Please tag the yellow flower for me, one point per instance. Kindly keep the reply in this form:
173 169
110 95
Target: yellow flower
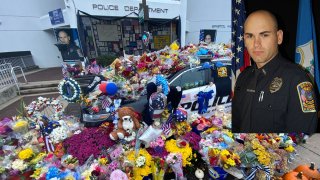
86 174
38 158
69 178
20 125
228 133
213 152
171 147
289 148
210 130
25 154
103 161
140 172
230 162
36 173
257 152
182 128
262 155
174 46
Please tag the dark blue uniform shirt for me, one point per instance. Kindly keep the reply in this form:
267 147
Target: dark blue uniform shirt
278 97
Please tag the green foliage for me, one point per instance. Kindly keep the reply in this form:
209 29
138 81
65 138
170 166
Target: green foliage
105 60
21 110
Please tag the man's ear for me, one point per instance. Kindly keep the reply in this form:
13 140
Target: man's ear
280 36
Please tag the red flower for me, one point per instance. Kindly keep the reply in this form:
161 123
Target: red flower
183 143
161 162
213 161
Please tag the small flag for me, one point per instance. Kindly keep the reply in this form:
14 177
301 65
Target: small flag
49 146
65 72
166 128
105 102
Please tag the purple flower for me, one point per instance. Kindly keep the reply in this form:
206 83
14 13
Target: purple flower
193 138
86 143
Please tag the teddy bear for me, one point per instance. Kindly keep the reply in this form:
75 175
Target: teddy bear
127 124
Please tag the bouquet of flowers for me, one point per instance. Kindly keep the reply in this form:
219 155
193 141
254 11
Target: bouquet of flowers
70 162
142 163
229 158
87 142
181 147
200 125
193 138
158 167
5 126
174 160
158 144
181 128
260 151
60 133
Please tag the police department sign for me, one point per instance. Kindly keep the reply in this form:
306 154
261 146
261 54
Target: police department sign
125 7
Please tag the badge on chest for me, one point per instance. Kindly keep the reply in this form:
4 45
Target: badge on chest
275 85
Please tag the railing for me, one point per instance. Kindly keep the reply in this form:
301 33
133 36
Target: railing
24 62
8 76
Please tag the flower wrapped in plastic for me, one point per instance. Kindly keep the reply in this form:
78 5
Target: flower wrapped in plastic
91 169
5 126
174 160
20 126
118 175
200 125
181 128
142 163
19 165
59 133
174 146
70 162
158 167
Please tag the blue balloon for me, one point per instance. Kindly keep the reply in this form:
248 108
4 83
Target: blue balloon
111 88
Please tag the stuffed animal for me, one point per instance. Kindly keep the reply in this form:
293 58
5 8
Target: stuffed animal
127 124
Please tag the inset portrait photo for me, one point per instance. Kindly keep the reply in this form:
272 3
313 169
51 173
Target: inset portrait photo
69 44
208 35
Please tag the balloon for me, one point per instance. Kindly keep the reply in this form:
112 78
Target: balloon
102 87
111 88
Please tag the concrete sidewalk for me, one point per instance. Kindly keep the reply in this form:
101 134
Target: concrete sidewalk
308 152
47 74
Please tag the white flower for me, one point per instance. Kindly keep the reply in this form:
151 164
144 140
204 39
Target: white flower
141 160
19 164
59 134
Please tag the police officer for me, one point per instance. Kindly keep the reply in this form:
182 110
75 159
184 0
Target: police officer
274 95
72 51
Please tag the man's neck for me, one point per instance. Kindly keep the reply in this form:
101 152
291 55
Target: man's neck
260 65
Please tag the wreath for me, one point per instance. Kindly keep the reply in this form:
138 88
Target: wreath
69 89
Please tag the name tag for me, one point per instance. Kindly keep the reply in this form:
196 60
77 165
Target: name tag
251 90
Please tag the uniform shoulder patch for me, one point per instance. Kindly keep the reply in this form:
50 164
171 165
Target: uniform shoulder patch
306 97
222 72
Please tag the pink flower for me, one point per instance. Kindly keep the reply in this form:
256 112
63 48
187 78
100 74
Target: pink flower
200 127
161 143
